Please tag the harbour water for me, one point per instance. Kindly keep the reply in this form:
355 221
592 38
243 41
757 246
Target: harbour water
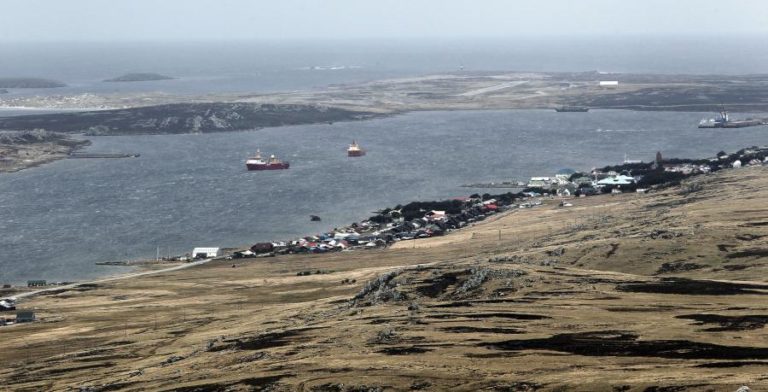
193 190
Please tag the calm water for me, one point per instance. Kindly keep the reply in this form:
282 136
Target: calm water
193 190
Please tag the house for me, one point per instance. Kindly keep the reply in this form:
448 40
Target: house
540 182
36 283
205 253
25 317
566 190
435 215
7 305
263 247
617 180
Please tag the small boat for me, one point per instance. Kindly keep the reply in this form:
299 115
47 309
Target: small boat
314 218
354 150
256 162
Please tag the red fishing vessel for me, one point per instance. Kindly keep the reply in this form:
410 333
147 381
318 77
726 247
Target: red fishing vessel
256 162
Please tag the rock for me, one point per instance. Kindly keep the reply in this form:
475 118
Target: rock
171 359
420 384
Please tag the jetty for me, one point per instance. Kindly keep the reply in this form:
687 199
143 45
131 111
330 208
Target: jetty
83 155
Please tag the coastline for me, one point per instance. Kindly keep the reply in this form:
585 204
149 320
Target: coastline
18 155
475 215
458 315
112 278
161 113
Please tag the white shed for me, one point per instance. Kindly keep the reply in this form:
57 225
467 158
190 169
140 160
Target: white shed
611 84
205 253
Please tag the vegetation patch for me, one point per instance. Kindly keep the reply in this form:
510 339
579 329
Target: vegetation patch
627 344
692 287
468 329
728 323
515 316
406 350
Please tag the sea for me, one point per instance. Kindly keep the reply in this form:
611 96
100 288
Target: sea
60 219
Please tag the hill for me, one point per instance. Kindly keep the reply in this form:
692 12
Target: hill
182 118
633 292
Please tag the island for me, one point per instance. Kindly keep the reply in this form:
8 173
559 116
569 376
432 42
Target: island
30 83
139 77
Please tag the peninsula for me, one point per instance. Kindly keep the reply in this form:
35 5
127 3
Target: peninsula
23 149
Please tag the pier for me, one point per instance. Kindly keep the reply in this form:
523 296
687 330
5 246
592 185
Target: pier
101 155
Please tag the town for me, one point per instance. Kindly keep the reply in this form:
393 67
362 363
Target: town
434 218
424 219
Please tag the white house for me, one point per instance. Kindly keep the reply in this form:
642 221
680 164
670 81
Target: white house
617 180
205 253
609 84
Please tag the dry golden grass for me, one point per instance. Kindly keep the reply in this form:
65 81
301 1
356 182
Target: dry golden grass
573 301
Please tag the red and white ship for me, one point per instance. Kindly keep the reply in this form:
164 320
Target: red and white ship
256 162
354 150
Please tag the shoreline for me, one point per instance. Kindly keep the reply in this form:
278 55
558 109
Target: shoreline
505 208
446 307
112 278
371 116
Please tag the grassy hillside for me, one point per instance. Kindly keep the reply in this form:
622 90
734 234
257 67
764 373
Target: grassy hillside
634 292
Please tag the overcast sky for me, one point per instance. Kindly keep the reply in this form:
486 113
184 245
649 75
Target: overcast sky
190 20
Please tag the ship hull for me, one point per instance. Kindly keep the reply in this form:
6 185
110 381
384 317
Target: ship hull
355 153
732 124
278 166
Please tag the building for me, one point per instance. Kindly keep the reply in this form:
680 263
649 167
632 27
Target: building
7 305
205 253
540 182
36 283
617 181
25 317
609 84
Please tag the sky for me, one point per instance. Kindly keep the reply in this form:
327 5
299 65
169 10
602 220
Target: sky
194 20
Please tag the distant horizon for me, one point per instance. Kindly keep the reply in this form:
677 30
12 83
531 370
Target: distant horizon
415 40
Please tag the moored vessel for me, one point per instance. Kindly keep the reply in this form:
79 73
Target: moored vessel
256 162
354 150
722 120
